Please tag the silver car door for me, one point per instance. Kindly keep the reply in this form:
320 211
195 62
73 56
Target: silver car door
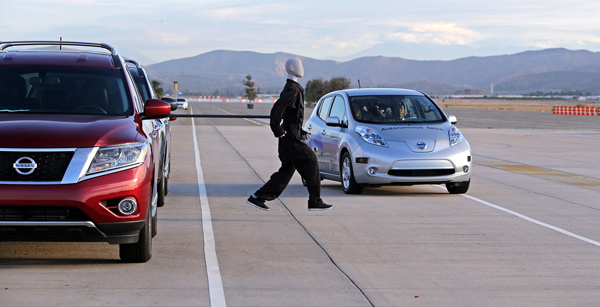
334 134
317 128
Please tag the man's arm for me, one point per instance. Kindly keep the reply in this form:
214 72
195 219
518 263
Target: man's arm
286 97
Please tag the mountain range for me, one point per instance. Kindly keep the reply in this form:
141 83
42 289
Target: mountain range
221 72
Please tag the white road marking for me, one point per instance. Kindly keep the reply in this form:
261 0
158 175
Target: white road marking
529 219
215 283
252 121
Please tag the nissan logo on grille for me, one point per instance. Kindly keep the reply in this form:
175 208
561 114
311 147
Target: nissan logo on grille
25 165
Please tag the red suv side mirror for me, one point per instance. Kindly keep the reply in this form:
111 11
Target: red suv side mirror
154 108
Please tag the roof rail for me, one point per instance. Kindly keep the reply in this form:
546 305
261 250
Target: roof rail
135 63
5 45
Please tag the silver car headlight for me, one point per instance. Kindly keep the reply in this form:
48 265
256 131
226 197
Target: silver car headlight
110 158
370 136
455 136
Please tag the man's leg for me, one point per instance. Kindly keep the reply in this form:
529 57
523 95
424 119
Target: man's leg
306 163
278 181
274 187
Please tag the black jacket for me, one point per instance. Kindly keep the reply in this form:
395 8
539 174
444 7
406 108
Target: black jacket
289 108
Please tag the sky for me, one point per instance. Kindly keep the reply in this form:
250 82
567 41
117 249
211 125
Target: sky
154 31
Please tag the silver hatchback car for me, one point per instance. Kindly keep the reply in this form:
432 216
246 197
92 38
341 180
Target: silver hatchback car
374 137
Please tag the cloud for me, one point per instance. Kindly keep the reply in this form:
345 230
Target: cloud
167 29
352 42
243 11
439 33
585 43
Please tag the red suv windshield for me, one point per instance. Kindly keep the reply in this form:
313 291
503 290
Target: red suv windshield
63 90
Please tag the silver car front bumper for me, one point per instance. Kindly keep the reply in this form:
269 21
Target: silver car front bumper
398 164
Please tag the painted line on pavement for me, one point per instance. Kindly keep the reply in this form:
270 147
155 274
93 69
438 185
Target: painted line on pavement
529 219
252 121
215 283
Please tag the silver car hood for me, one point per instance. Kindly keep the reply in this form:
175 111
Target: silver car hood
418 137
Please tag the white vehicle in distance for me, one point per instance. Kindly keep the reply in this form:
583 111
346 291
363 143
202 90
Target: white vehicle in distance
182 103
375 137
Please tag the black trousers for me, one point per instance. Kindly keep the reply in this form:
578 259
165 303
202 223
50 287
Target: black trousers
294 156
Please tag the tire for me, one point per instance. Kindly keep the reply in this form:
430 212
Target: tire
155 224
163 188
142 250
349 185
458 187
161 192
166 178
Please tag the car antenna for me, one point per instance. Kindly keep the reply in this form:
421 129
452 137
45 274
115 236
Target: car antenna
359 83
60 45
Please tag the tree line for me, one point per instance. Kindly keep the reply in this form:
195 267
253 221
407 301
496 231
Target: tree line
560 93
315 88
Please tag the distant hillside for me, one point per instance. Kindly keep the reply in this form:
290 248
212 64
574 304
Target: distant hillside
222 72
555 81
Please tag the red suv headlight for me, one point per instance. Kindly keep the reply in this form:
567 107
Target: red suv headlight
111 158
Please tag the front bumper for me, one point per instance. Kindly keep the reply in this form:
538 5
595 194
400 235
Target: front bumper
82 231
398 164
85 211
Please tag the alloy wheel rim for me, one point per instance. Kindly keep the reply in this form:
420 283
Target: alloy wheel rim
346 173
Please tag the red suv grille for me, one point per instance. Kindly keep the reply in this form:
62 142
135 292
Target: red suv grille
31 214
49 166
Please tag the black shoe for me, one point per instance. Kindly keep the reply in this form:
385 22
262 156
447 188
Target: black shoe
319 207
257 202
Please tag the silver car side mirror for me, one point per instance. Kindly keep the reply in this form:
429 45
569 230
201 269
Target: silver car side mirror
452 119
333 121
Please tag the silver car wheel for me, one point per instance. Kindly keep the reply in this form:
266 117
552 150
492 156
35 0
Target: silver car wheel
346 173
349 184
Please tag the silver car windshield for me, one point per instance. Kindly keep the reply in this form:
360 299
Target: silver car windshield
395 109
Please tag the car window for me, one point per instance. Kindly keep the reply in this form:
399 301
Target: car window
63 90
395 109
141 84
339 109
324 107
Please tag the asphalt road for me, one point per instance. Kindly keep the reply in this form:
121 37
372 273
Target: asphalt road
526 234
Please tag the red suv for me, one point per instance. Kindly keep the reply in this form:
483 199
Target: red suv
79 152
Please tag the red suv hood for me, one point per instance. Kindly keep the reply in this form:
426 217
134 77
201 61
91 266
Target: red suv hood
65 131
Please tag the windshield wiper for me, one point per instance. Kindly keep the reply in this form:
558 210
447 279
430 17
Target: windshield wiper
412 120
14 111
